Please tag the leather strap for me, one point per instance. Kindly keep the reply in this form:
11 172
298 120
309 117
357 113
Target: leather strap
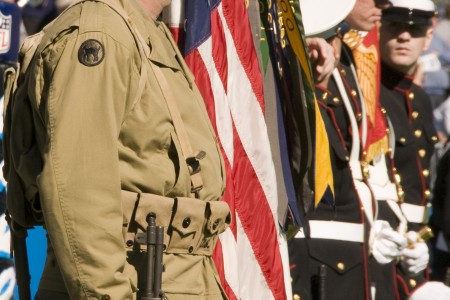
191 158
186 148
364 193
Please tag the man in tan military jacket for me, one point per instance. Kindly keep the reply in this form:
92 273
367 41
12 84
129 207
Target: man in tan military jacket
106 85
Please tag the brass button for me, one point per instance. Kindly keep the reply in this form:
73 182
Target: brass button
343 72
324 96
427 193
365 169
412 283
418 133
401 194
341 266
359 116
422 153
383 110
434 138
415 114
296 297
347 158
398 178
425 172
411 96
387 130
402 139
354 93
186 222
336 100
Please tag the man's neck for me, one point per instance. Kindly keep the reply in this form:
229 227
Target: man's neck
152 8
406 70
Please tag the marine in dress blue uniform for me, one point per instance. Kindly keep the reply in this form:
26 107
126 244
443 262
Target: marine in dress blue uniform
331 261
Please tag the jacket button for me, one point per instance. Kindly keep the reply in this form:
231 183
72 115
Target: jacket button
296 297
191 249
418 133
341 266
412 283
106 297
129 243
422 153
186 222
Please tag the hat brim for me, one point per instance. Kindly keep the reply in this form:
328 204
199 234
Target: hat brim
408 16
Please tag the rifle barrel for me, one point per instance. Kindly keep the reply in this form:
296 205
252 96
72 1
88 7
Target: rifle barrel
21 266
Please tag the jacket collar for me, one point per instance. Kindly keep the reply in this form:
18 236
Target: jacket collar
395 79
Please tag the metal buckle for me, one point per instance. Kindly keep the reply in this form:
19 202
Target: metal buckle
193 162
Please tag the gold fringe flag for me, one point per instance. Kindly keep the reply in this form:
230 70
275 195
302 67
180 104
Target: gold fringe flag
323 176
366 54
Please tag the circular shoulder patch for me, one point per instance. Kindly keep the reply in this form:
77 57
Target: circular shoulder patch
91 53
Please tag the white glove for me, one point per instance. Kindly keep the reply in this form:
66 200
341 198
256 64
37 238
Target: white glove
386 244
431 290
415 258
7 283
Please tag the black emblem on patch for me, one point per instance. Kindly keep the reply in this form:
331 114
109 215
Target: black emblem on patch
91 53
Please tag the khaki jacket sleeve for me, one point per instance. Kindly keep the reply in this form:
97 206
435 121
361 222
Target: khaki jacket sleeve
82 108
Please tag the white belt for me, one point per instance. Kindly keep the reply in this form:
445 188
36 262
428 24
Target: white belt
355 165
386 192
365 196
415 213
381 186
331 230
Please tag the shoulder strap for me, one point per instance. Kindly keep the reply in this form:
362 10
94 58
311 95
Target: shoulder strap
355 163
192 159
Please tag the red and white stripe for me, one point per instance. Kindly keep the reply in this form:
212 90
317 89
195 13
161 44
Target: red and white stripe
252 254
173 17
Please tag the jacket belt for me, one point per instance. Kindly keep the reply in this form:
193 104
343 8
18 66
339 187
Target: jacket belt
415 213
332 230
191 226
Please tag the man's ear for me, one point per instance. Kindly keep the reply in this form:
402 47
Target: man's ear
428 37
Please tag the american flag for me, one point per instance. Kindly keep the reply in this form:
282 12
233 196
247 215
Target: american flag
251 256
